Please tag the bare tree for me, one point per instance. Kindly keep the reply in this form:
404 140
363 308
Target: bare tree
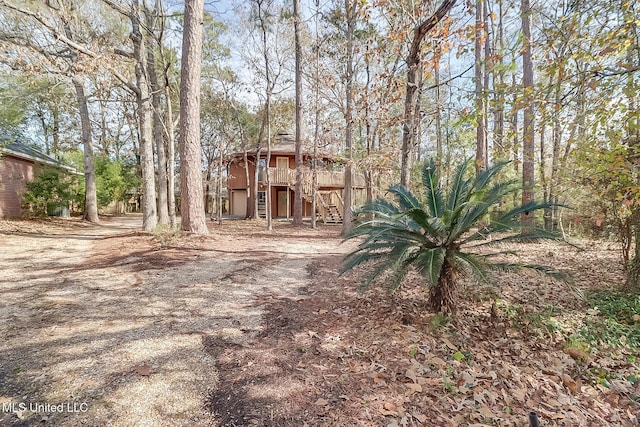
479 93
350 12
151 16
528 132
414 71
143 98
191 192
90 194
297 202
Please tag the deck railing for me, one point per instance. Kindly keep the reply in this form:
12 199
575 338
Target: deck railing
282 176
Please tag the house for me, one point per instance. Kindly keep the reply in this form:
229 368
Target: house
282 173
18 165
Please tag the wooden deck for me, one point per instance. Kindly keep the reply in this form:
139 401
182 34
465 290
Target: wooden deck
326 179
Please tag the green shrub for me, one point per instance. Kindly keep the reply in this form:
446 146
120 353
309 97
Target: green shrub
51 188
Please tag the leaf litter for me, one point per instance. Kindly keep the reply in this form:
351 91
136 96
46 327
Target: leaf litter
304 347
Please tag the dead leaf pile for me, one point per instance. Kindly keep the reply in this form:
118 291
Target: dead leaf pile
378 359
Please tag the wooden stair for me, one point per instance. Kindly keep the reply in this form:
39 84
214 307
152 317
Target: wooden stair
334 216
330 213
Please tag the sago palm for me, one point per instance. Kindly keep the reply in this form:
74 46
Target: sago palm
441 237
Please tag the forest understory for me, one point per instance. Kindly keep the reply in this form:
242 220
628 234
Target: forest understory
249 328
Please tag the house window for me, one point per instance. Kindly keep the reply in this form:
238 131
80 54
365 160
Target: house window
282 162
261 165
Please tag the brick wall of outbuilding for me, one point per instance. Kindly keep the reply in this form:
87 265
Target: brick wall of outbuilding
14 174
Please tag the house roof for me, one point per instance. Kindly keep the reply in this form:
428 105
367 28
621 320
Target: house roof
284 143
26 152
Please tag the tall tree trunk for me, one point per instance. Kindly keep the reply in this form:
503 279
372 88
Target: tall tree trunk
350 11
297 202
171 156
245 157
316 129
149 213
544 181
56 129
90 196
487 65
555 155
256 183
45 130
413 73
498 98
158 131
413 70
191 197
479 91
266 123
436 72
633 139
528 133
368 173
268 162
219 190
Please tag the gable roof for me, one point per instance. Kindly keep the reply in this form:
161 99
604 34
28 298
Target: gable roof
284 144
25 152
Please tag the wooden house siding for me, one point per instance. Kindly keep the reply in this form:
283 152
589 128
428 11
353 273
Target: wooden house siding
14 175
330 185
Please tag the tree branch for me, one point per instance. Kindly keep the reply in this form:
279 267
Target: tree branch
421 31
446 82
68 41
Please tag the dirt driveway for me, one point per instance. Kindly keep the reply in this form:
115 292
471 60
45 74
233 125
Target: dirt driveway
104 325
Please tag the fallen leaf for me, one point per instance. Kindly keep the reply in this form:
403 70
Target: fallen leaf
390 406
519 394
420 417
321 402
449 344
435 360
411 375
458 356
413 388
570 384
486 412
143 370
380 379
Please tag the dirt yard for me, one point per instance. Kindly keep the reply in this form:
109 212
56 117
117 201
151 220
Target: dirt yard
120 327
105 325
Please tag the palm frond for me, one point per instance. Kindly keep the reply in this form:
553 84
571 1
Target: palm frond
431 226
473 263
487 175
537 234
435 202
429 263
461 187
509 221
405 198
